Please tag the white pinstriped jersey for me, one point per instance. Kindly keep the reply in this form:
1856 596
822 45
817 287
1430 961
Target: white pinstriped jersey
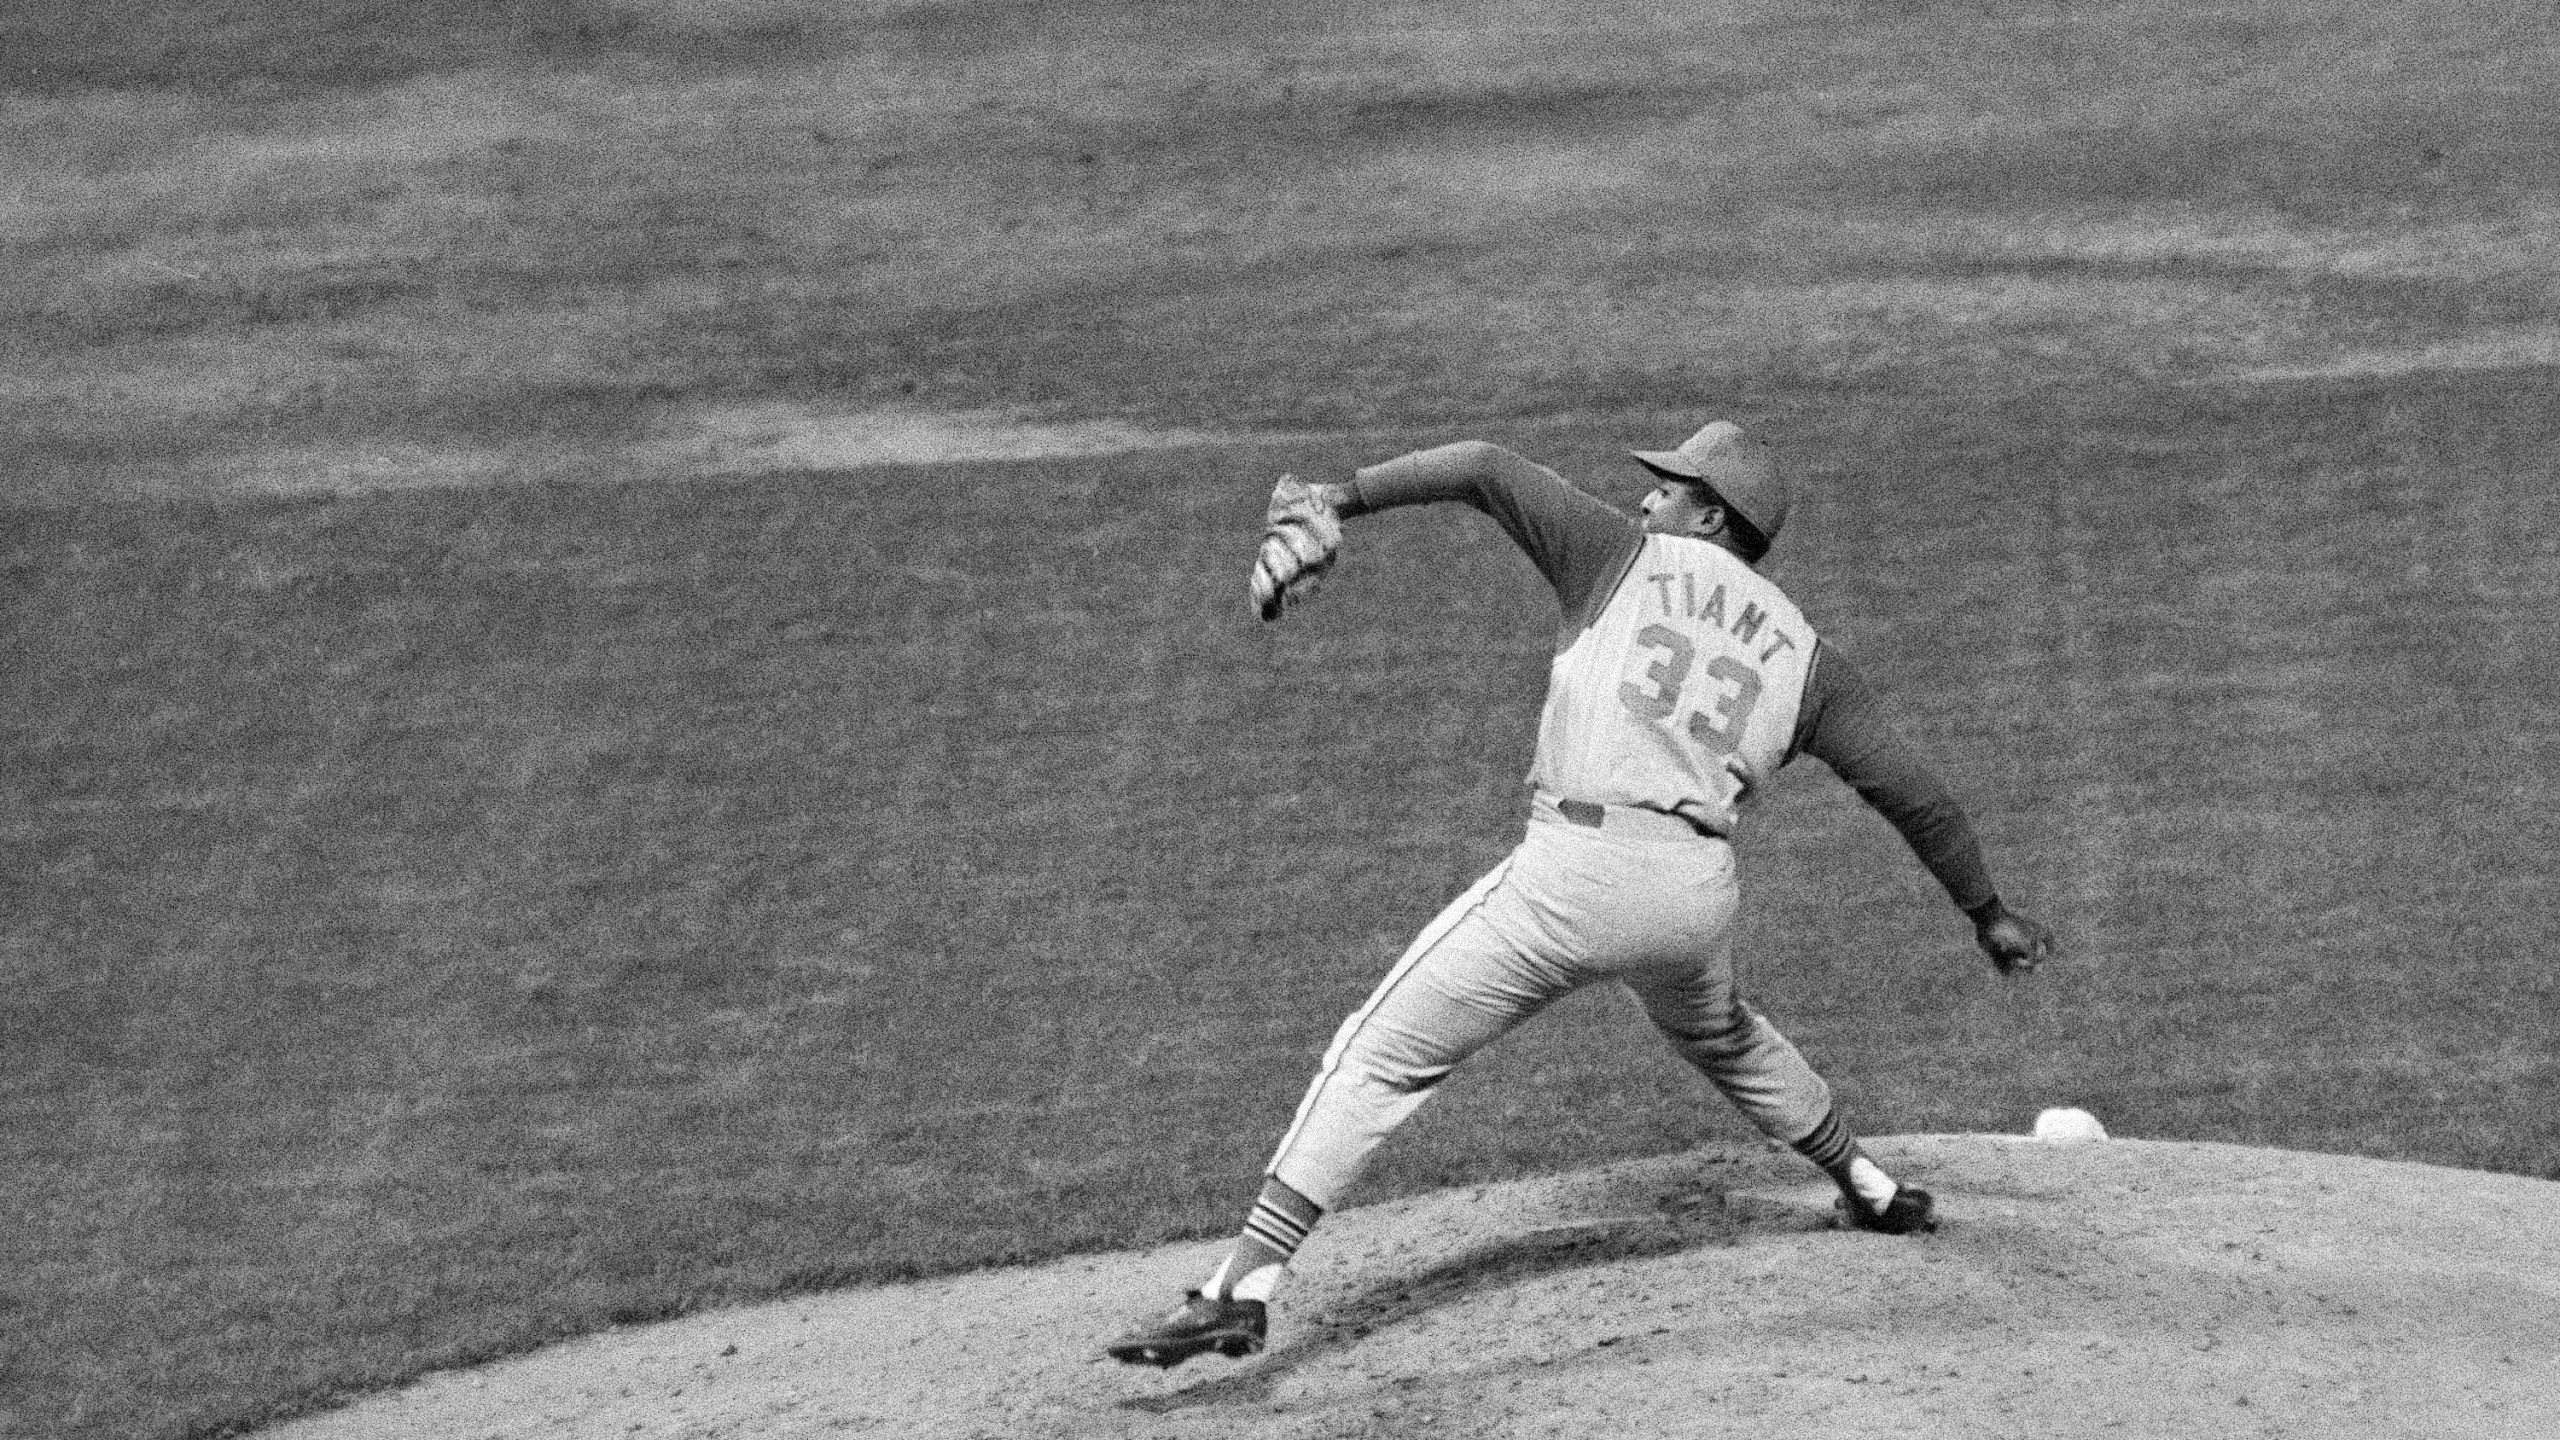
1682 692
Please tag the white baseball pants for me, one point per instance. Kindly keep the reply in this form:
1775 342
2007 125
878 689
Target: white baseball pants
1640 899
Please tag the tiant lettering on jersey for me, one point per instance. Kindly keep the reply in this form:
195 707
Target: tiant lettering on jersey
1681 695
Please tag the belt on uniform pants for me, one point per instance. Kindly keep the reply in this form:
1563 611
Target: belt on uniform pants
1630 819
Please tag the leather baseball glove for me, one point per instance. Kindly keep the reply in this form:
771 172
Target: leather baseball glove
1301 534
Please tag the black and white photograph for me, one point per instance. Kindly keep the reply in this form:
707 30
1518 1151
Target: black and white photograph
1279 720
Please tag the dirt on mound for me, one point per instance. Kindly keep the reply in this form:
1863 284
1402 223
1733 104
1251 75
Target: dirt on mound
2104 1288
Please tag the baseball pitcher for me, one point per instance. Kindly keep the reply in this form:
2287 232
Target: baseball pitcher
1682 681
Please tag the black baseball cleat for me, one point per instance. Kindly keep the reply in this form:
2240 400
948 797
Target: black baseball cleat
1909 1210
1233 1328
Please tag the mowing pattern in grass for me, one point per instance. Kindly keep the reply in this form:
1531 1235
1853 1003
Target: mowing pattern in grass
435 923
446 922
1295 217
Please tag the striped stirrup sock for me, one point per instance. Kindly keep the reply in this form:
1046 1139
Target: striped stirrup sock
1832 1147
1273 1230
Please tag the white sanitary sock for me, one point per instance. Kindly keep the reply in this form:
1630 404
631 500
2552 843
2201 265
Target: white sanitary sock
1259 1283
1873 1185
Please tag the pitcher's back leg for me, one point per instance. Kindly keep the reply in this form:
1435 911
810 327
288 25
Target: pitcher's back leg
1734 1046
1775 1087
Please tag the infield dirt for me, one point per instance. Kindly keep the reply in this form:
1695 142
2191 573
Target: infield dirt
2109 1288
524 810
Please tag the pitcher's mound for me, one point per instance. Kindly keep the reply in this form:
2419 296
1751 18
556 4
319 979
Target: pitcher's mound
2106 1288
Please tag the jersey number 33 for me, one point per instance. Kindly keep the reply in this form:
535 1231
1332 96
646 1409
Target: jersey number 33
1732 689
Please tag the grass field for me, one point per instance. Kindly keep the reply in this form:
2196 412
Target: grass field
447 917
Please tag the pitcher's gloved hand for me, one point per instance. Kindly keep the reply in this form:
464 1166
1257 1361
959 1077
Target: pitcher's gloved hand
1301 535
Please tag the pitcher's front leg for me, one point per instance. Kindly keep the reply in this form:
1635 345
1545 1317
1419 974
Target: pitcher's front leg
1467 980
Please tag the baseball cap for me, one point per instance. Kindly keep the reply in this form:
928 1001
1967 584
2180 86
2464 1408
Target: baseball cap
1742 470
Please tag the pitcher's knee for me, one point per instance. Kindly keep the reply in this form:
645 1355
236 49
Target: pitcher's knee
1727 1038
1398 1065
1406 1081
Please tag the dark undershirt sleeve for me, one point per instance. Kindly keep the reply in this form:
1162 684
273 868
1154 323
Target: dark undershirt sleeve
1580 543
1845 724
